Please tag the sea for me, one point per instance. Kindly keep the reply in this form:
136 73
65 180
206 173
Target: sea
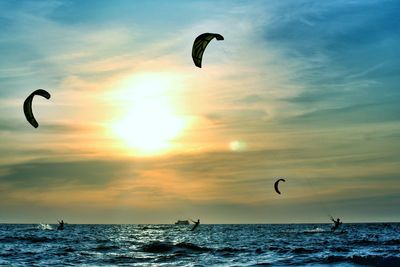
375 244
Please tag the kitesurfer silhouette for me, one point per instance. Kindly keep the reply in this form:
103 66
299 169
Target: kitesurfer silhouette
195 224
336 222
60 225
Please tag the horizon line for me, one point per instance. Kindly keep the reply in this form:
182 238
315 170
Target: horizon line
369 222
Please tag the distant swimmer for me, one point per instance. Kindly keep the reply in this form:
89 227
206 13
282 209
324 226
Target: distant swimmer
195 224
336 223
60 225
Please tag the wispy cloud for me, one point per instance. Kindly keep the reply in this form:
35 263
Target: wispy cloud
310 87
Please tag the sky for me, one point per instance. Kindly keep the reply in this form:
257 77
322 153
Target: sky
135 133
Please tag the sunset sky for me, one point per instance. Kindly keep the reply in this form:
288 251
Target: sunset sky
135 133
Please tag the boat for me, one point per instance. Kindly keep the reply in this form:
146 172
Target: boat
182 222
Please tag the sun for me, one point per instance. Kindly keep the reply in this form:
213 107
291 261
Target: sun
149 123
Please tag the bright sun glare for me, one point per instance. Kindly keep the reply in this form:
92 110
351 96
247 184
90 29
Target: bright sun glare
149 123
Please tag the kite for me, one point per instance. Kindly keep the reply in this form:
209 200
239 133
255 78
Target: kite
276 185
200 44
28 106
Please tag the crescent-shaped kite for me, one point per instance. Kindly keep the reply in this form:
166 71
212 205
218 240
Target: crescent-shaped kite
28 106
276 185
200 44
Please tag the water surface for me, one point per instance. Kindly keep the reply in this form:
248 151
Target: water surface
209 245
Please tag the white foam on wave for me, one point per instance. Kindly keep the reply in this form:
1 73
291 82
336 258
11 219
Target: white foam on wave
44 226
316 230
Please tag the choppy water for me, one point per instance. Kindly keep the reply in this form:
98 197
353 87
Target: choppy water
209 245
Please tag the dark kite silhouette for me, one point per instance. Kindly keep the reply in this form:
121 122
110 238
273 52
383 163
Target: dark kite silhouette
28 106
200 44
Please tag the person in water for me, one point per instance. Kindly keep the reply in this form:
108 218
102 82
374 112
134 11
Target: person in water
195 224
336 223
61 225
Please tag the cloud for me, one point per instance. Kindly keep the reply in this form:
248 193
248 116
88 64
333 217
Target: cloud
354 114
47 174
310 87
240 181
345 50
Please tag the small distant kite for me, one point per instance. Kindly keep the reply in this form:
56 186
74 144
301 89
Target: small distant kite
28 106
276 185
200 44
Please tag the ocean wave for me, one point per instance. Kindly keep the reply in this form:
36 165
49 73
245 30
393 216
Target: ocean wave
392 242
30 239
303 250
7 239
340 249
368 242
363 242
369 260
184 248
192 247
105 248
283 249
316 230
278 249
122 259
157 247
7 254
163 247
69 250
229 249
44 226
